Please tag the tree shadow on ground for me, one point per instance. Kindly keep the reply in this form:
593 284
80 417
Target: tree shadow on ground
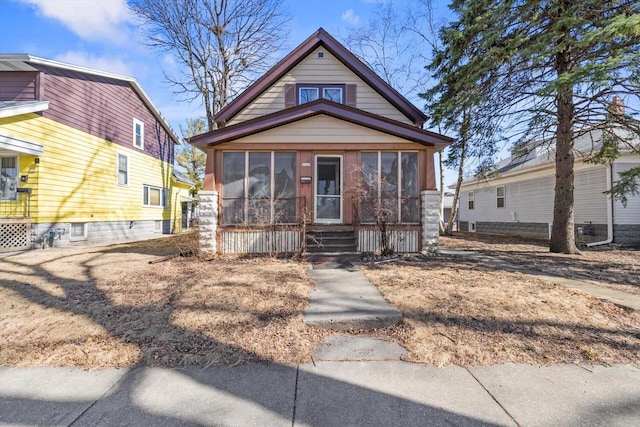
84 298
522 252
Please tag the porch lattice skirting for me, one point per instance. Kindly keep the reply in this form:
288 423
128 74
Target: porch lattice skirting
15 234
430 219
208 221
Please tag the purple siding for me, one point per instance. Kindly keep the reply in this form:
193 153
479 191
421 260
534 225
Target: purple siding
102 107
18 86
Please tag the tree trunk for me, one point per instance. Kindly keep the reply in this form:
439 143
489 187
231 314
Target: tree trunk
562 232
464 135
441 222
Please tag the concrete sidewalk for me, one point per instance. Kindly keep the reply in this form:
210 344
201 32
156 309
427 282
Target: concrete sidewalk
345 299
323 394
619 298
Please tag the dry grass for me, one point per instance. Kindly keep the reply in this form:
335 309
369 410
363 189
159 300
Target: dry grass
107 306
99 307
465 313
614 268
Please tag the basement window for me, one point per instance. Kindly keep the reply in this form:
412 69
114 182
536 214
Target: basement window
78 231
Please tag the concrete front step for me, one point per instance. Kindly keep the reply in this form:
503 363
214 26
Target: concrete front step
331 241
331 233
332 248
334 259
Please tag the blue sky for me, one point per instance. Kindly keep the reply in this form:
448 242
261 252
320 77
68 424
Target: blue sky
101 34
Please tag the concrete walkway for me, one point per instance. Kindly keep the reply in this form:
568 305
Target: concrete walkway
327 393
345 299
620 298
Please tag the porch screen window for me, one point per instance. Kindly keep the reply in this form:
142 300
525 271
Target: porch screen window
259 188
8 178
390 187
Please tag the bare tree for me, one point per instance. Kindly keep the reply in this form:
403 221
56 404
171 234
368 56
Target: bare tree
222 44
388 45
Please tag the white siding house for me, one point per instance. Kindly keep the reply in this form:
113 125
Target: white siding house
518 200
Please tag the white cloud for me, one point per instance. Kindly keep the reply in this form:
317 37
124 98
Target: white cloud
90 19
350 17
105 63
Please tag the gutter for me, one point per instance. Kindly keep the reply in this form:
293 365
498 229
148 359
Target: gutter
609 211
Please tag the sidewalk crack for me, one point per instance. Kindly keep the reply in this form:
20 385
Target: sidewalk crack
494 398
106 393
295 396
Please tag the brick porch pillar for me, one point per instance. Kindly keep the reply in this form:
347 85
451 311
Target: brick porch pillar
430 219
208 221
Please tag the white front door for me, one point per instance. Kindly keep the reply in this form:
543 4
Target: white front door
328 190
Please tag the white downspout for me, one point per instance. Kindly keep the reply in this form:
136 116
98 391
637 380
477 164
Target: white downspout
609 210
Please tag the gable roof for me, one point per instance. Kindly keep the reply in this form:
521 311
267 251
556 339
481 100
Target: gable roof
21 62
319 107
321 37
540 154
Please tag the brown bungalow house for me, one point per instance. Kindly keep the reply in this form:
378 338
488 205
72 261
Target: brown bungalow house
319 139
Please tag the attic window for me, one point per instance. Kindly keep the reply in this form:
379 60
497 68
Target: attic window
311 92
320 54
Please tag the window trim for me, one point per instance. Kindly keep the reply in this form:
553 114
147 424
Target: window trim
320 87
73 238
145 198
299 93
503 197
324 89
126 156
471 199
141 123
17 177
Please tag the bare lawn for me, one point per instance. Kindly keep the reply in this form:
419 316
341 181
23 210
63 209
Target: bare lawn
616 268
107 306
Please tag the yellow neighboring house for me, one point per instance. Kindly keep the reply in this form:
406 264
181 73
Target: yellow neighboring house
85 156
